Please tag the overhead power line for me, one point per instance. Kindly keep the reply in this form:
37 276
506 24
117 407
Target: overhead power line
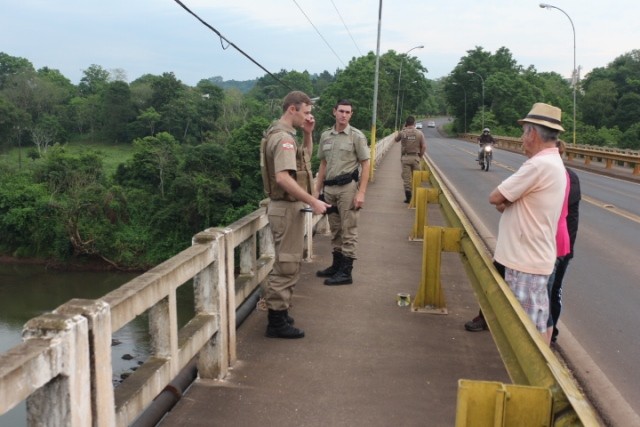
346 28
229 43
317 31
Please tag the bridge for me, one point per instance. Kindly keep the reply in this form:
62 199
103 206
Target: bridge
365 359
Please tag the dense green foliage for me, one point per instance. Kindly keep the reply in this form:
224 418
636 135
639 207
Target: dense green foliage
608 99
129 172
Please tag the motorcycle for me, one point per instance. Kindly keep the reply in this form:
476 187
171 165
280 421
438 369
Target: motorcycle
485 157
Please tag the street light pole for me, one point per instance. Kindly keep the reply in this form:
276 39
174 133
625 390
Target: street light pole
574 74
372 163
465 105
399 76
482 80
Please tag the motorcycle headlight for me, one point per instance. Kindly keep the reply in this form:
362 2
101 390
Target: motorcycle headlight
487 148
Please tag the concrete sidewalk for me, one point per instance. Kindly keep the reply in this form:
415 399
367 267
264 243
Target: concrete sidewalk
365 361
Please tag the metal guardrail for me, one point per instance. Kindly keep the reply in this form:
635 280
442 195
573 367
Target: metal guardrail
609 156
529 361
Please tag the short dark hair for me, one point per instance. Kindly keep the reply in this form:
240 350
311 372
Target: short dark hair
343 102
296 98
410 121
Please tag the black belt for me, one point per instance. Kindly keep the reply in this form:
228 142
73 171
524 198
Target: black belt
411 154
337 181
343 179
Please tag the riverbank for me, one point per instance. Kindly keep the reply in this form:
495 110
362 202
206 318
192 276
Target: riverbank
76 264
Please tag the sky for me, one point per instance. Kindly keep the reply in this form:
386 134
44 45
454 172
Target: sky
157 36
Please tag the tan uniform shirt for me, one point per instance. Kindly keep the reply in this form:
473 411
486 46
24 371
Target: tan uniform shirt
343 151
412 141
280 152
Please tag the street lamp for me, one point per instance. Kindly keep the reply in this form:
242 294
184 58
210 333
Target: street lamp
574 74
465 105
482 80
399 76
372 163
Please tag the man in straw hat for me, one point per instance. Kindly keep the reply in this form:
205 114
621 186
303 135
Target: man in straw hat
530 201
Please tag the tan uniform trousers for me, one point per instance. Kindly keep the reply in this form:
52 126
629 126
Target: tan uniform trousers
287 227
344 224
410 163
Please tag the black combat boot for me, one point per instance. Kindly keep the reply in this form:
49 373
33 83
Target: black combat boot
407 195
343 276
290 320
278 326
333 268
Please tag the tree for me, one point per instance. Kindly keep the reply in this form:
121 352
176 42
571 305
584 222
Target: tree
8 112
166 88
244 157
631 137
234 111
509 90
154 163
150 117
615 86
86 113
599 103
94 80
355 83
117 110
208 107
44 133
321 81
11 65
627 111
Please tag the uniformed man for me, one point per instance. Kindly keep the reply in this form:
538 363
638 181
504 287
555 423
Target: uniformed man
413 148
343 177
286 175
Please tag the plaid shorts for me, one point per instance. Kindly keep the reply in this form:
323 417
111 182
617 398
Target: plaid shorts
531 291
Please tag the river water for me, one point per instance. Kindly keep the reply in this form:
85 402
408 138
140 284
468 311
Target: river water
26 291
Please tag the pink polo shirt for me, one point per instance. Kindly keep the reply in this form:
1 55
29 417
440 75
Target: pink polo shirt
563 244
527 231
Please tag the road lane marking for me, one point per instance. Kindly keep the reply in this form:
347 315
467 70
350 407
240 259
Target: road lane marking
612 208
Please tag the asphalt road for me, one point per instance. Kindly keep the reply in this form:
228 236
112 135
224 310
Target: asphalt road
601 297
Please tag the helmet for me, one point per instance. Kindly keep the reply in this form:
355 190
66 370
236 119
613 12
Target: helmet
487 130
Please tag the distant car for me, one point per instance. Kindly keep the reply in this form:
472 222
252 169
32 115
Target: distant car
431 124
419 125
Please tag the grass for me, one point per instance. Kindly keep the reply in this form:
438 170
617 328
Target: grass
111 154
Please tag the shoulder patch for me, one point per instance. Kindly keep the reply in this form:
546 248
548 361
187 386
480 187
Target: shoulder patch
286 145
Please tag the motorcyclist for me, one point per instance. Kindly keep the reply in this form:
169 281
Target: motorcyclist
483 140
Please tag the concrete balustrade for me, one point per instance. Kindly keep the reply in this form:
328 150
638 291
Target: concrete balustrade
52 361
607 155
63 369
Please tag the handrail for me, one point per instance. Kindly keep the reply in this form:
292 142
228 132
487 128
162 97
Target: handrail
207 263
528 360
71 346
631 158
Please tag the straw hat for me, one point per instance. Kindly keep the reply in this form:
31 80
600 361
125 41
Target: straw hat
544 115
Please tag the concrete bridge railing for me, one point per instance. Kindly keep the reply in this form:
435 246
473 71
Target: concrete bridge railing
608 156
63 369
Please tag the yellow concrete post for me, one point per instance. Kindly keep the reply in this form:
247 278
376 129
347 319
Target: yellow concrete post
416 181
430 297
494 404
422 196
421 217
